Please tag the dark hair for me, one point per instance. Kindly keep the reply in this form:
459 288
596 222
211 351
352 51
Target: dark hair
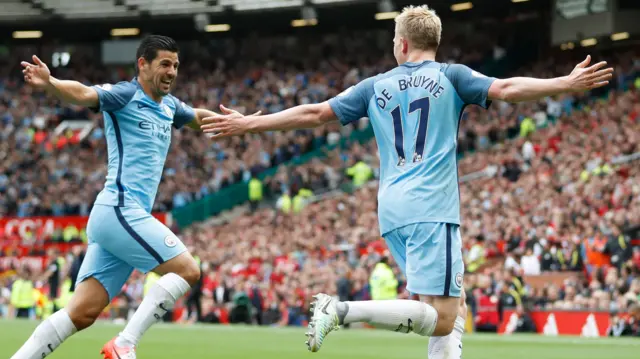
150 45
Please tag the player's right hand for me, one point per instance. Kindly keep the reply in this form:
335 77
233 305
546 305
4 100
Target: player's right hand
36 75
233 123
584 78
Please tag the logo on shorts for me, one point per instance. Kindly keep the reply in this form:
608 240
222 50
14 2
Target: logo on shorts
459 280
170 241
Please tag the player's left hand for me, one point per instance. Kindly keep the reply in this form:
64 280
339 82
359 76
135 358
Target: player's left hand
585 77
231 123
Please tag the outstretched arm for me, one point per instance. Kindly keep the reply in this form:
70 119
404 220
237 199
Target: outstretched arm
73 92
582 78
349 106
299 117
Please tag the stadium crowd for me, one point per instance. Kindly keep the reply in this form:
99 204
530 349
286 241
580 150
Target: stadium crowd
552 186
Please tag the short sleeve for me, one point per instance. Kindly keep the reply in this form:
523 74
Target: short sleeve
353 103
184 113
114 97
471 86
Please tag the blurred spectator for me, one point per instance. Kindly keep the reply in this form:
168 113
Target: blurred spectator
22 298
621 326
530 263
525 323
241 311
476 255
383 281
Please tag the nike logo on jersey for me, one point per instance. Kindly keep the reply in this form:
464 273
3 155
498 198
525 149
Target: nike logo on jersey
143 105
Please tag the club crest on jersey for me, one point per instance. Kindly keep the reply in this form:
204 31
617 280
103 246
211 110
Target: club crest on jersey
167 110
459 280
170 241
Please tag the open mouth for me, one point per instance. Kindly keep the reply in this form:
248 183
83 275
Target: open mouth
166 82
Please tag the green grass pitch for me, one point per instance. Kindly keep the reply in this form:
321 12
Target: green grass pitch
170 341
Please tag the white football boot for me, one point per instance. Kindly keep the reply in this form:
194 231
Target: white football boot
324 320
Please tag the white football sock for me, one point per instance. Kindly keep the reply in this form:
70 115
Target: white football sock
47 337
401 316
449 346
160 299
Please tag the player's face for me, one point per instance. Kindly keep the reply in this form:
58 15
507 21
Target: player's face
161 73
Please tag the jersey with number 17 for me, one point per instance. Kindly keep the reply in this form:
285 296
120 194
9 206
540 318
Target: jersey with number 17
415 110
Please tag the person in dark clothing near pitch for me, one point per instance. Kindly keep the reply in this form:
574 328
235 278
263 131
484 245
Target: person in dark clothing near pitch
54 274
78 257
625 327
525 323
619 247
194 300
344 286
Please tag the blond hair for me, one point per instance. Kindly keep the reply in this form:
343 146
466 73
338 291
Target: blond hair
420 26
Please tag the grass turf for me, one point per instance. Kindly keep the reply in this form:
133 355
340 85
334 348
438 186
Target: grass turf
170 341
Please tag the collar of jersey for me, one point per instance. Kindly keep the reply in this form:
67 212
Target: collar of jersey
135 82
416 64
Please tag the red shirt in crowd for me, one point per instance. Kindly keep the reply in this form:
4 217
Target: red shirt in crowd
487 313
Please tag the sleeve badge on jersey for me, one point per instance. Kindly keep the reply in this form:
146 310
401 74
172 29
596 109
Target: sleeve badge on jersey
106 87
346 92
475 73
170 241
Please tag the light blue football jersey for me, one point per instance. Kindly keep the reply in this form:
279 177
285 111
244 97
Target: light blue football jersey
138 133
415 110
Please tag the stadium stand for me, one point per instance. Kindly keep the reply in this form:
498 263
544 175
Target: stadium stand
17 10
550 196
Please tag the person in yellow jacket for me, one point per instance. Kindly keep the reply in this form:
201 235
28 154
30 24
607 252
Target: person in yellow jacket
527 127
301 199
383 282
44 306
284 203
70 233
360 172
476 256
255 192
22 298
65 294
